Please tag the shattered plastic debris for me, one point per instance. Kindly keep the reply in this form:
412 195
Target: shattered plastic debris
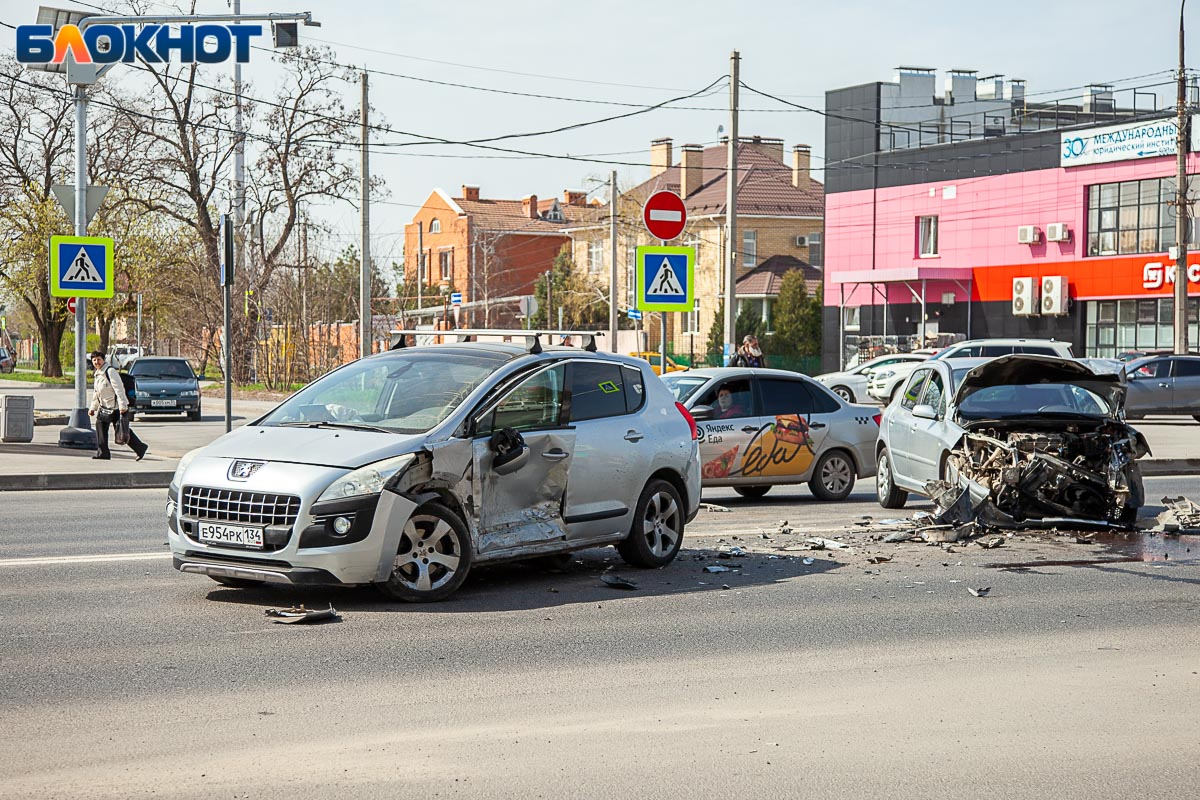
878 559
617 582
717 568
734 552
808 562
936 534
1181 515
714 507
991 542
827 544
300 614
980 592
900 536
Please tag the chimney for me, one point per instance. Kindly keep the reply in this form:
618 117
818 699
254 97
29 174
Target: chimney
529 206
660 156
772 147
574 198
691 169
801 155
470 192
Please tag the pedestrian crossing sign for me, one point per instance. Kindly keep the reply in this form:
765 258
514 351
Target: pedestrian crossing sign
666 278
81 266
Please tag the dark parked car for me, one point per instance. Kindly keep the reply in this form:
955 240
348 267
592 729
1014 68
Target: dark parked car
8 361
1163 384
165 385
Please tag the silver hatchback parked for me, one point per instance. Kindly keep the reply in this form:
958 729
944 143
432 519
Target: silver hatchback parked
405 468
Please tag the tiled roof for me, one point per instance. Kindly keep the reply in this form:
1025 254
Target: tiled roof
767 277
764 186
509 215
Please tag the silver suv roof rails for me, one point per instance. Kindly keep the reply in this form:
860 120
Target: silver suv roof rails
587 339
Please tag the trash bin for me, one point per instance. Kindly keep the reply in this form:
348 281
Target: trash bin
16 418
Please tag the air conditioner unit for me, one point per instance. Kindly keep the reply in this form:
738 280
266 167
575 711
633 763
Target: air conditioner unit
1025 297
1054 295
1058 232
1028 234
801 241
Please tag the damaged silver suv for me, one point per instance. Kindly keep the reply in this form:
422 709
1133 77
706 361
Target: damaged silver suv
405 468
1020 440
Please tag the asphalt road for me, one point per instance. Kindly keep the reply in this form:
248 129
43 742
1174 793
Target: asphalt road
1075 677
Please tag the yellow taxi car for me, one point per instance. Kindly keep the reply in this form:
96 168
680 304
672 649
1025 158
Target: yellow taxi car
655 360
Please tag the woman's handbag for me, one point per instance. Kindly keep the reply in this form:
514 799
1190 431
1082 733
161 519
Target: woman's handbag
121 428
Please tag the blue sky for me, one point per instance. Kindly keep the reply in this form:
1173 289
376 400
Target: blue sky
644 53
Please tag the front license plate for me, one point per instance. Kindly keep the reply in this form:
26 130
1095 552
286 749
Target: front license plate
236 535
163 403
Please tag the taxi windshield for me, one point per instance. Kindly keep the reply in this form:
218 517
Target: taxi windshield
410 391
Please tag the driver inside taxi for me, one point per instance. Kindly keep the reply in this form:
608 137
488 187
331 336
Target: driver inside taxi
726 408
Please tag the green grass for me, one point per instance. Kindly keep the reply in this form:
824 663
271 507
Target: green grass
36 377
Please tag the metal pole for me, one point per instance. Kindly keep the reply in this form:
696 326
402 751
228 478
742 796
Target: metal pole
662 334
842 326
923 283
420 266
239 157
139 323
1181 202
228 259
78 432
612 284
549 294
364 298
731 246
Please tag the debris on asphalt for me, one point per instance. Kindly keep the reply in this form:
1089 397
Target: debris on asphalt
1086 538
725 586
827 544
714 507
981 592
617 582
1181 516
937 534
808 562
878 559
300 614
900 536
717 568
991 542
733 552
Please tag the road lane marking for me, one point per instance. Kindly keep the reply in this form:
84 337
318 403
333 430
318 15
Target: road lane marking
36 561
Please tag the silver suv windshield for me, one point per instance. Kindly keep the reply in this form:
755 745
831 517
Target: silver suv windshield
409 391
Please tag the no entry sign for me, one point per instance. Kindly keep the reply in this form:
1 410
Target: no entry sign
71 305
664 215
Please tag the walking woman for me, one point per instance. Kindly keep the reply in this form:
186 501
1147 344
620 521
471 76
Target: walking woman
109 403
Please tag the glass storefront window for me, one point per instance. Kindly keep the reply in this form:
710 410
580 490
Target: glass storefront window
1147 310
1137 216
1108 311
1125 337
1126 311
1117 326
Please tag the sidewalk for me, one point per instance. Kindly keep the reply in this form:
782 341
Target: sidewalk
42 464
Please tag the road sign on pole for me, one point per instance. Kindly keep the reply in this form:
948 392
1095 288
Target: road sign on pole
664 215
666 278
81 266
456 298
633 313
71 305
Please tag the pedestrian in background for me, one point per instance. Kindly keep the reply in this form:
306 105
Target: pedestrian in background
109 404
749 354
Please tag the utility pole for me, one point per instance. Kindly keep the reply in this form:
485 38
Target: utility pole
1181 202
731 244
79 415
549 293
612 285
239 167
139 323
420 267
364 295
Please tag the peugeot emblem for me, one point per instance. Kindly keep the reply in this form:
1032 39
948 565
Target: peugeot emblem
242 470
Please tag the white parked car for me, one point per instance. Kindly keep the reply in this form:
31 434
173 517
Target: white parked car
123 355
851 385
1031 439
885 384
405 468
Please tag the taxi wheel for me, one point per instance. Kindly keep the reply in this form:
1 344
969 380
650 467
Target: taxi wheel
434 556
657 531
237 583
752 492
885 485
833 476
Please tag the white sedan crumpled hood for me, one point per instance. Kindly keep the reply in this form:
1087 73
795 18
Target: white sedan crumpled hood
328 447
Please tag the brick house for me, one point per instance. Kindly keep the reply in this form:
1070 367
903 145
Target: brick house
490 250
780 213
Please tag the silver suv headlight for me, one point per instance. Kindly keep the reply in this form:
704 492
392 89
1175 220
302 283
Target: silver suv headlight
366 480
887 373
183 465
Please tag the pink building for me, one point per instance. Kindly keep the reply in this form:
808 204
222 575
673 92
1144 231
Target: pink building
1056 233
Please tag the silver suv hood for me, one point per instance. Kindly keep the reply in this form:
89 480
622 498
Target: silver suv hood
326 447
1020 369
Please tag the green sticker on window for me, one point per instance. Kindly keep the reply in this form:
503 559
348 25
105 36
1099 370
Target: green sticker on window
608 387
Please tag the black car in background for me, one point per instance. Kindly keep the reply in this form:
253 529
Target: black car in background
164 385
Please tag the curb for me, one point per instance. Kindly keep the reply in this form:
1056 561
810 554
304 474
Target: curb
86 481
1155 467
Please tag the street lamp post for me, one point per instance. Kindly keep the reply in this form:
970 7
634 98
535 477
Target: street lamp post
1181 202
